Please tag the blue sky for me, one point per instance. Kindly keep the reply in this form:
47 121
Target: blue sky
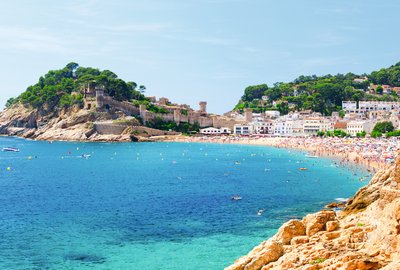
191 50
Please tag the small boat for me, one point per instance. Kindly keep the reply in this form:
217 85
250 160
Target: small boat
237 162
236 198
310 156
260 212
10 149
303 169
86 156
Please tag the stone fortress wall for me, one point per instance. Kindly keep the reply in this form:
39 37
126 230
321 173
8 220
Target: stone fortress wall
95 99
109 128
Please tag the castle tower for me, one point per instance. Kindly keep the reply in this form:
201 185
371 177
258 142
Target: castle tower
203 106
177 116
248 114
142 112
99 98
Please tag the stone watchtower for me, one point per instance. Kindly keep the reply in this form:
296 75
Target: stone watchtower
248 115
203 106
99 96
93 96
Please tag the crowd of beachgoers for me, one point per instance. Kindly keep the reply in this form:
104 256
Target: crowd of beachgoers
374 154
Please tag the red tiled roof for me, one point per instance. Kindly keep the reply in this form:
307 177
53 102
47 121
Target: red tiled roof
340 125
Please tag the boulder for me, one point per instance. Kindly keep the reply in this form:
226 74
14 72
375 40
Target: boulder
271 252
335 205
266 252
317 222
332 225
289 230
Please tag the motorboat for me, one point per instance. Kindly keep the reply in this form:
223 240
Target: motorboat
303 169
260 212
10 149
310 156
236 198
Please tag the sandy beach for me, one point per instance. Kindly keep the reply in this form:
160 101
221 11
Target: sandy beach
373 154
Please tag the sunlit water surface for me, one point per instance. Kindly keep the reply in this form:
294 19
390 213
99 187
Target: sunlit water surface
152 205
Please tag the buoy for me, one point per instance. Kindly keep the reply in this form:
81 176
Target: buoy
8 168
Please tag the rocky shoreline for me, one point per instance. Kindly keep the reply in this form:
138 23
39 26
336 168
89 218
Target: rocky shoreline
76 124
365 235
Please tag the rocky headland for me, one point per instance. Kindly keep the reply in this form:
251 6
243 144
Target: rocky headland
75 124
365 235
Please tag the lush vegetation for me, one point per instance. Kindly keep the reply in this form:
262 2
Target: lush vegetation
381 128
322 94
384 127
149 106
63 87
395 133
388 76
183 127
335 133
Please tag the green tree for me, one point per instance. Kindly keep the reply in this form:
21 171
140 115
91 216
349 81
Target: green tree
10 102
361 134
376 134
283 108
254 91
384 127
379 89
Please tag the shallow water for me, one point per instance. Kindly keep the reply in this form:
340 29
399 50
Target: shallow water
152 205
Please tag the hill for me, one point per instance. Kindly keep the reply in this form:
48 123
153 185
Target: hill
323 94
64 88
87 104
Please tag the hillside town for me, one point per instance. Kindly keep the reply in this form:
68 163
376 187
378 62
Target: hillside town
355 118
358 117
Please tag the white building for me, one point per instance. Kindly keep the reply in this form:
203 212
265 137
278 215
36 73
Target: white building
367 106
225 130
272 114
283 128
215 131
243 129
314 124
354 127
264 128
360 80
297 127
349 106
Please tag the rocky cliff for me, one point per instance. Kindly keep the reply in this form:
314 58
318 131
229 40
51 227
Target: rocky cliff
73 124
366 235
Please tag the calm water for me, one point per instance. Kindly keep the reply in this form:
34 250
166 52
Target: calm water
152 205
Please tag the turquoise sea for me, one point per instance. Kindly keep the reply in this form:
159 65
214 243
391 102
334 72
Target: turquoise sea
152 205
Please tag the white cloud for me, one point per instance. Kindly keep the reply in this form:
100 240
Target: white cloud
33 40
